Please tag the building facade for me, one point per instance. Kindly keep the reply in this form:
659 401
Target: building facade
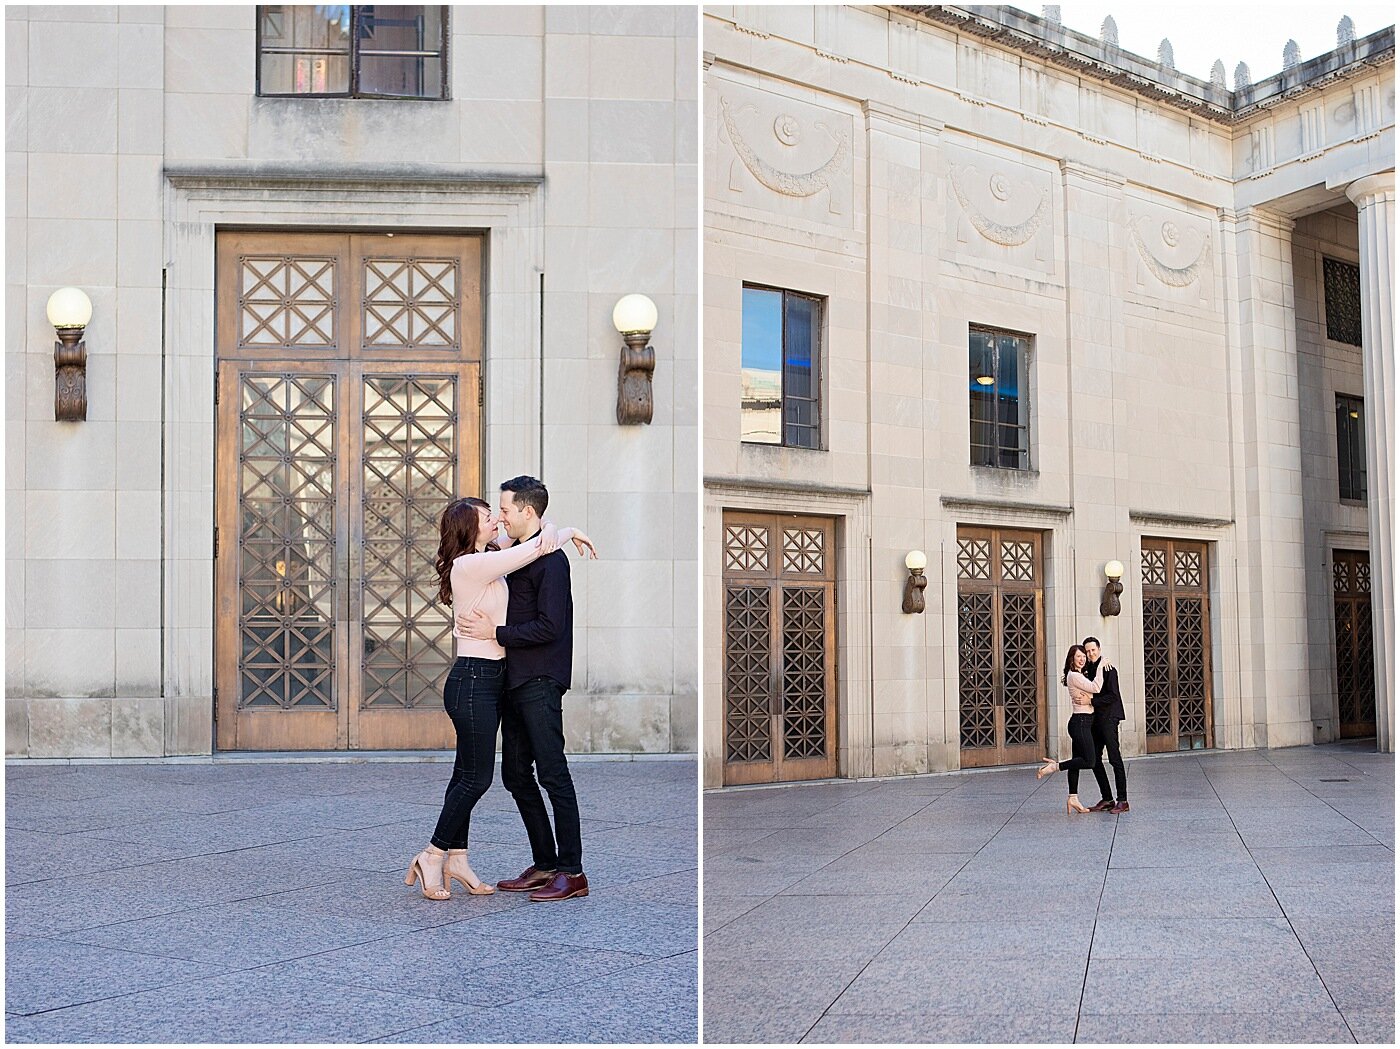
344 264
995 301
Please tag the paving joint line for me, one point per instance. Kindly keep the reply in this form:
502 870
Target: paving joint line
1093 932
910 922
1279 903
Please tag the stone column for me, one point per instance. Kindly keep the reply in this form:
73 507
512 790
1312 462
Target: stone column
1374 197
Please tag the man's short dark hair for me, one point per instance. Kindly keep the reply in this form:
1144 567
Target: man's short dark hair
528 490
1092 641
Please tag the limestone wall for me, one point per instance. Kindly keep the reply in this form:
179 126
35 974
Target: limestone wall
109 522
983 186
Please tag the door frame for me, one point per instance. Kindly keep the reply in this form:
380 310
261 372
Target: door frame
997 587
349 365
1171 743
780 768
1354 598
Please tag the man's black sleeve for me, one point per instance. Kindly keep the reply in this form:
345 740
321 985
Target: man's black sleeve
552 605
1108 695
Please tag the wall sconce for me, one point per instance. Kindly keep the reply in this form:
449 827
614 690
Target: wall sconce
69 311
916 562
1109 605
634 317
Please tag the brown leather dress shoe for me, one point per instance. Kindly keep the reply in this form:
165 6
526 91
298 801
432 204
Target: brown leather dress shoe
531 878
561 887
1120 808
1102 806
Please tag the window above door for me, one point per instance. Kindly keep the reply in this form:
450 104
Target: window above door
360 51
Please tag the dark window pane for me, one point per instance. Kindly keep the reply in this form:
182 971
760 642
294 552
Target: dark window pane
1351 448
801 335
400 50
761 378
999 403
305 49
1341 282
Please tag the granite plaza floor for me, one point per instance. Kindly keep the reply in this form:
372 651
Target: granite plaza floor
264 902
1247 897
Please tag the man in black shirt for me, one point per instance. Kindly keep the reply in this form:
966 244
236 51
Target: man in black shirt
1108 712
538 637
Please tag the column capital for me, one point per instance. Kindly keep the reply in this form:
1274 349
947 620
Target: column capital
1109 179
1372 189
876 112
1264 220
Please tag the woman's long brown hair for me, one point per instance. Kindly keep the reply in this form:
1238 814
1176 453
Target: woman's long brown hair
459 526
1069 662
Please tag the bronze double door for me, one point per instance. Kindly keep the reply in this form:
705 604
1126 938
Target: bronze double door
1356 672
1176 658
347 416
1001 647
779 647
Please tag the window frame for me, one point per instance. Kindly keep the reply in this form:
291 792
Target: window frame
354 57
1024 397
818 371
1347 493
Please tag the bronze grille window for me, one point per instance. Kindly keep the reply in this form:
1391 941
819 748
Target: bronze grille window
1351 448
1341 287
344 51
999 398
780 400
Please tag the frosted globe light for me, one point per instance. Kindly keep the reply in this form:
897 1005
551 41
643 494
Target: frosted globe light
1114 570
634 314
916 560
69 308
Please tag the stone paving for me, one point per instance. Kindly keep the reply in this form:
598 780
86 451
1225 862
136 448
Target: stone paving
1248 896
264 902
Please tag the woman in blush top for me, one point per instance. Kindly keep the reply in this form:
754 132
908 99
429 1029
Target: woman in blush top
471 575
1081 696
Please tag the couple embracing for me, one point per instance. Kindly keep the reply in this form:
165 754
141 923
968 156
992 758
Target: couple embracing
1096 710
513 626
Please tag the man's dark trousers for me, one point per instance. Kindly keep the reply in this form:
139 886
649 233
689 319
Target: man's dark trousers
532 740
1105 729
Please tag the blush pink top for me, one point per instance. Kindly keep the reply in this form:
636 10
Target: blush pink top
1083 689
478 582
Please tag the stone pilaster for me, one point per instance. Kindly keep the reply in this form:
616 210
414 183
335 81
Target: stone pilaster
1374 197
1274 696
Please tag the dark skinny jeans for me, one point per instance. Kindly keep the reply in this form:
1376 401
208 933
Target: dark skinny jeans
1081 734
532 740
1106 735
472 699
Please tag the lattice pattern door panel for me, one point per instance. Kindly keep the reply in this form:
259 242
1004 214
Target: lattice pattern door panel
1157 666
977 706
779 647
287 540
1356 682
410 303
1176 644
1020 670
748 658
410 474
804 672
1001 676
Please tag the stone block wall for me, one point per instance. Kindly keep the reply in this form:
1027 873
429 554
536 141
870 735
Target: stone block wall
109 522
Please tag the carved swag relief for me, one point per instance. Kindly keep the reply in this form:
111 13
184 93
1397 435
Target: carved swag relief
1174 270
1002 189
788 132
